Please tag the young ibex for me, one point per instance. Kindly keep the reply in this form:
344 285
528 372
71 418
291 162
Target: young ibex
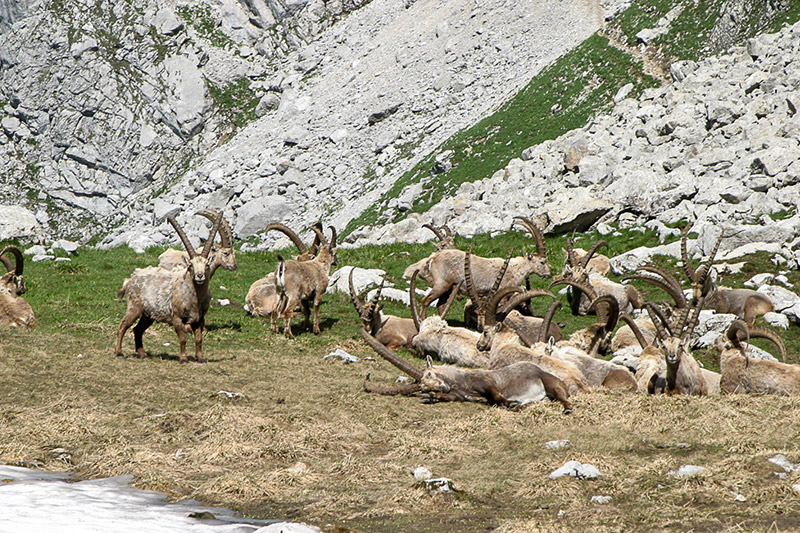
179 297
263 299
15 311
224 254
301 282
755 376
512 386
392 331
437 338
747 304
444 269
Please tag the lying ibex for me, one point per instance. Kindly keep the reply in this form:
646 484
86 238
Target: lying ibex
437 338
512 386
684 375
15 311
591 261
755 376
179 297
747 304
263 298
444 269
392 331
301 282
224 254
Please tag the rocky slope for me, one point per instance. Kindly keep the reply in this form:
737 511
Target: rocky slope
719 145
118 115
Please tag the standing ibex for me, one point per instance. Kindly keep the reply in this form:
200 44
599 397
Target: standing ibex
224 254
179 297
14 310
301 282
444 269
747 304
512 386
392 331
755 376
262 299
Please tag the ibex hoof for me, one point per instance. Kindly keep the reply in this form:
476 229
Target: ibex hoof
567 411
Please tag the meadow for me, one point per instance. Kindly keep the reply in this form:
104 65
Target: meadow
307 443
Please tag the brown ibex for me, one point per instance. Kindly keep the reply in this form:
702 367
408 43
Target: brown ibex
392 331
587 287
15 311
444 269
755 376
512 386
747 304
301 282
262 299
224 254
179 297
591 261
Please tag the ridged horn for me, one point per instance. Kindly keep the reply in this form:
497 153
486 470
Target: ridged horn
637 332
184 239
19 260
514 301
676 295
571 260
387 354
607 309
224 231
412 299
680 299
536 233
357 303
436 231
548 319
592 251
333 237
450 300
659 321
277 226
771 335
687 266
211 235
494 301
586 289
316 243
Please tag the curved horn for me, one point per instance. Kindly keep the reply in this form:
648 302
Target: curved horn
277 226
502 272
448 233
224 230
677 295
680 299
535 232
571 260
705 270
692 320
522 297
450 300
548 319
333 237
771 335
586 289
592 251
607 309
738 333
412 299
687 266
387 354
18 259
373 304
658 320
211 235
353 296
637 332
316 244
480 309
184 239
494 301
322 239
436 231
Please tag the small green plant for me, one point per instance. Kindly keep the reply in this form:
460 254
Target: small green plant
236 101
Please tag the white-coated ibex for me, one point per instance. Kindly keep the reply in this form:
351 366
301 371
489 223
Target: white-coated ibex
512 386
394 332
747 304
262 299
755 376
179 297
302 282
224 254
15 311
444 269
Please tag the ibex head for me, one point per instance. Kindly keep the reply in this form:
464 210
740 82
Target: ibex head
198 264
538 261
431 381
225 253
13 279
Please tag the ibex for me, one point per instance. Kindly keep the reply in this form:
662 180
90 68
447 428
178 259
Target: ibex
445 236
755 376
15 311
301 282
262 299
437 338
224 254
747 304
392 331
512 386
179 297
587 287
444 269
591 261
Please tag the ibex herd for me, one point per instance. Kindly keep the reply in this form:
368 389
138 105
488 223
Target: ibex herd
502 354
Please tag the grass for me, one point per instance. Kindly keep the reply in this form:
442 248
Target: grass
307 443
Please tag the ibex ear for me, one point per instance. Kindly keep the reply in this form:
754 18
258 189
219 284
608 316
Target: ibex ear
498 327
185 260
430 361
